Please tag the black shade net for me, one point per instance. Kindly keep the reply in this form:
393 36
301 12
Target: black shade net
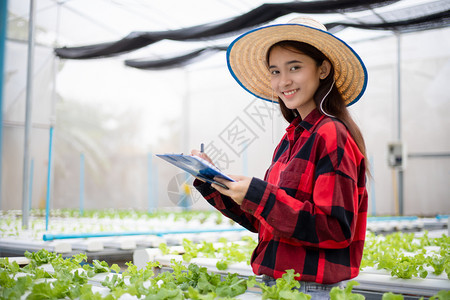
260 15
174 62
421 17
426 16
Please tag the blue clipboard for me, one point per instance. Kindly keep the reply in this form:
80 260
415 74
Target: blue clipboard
197 167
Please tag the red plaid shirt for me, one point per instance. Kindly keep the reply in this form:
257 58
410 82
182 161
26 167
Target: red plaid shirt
311 209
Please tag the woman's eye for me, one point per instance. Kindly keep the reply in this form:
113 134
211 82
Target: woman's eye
274 72
295 68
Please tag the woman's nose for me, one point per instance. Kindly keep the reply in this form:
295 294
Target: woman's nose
285 80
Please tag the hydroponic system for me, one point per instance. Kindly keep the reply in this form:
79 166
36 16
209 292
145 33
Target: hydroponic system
110 117
114 254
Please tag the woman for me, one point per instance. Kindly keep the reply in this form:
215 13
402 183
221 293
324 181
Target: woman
310 210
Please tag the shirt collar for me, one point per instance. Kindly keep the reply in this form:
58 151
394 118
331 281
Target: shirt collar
308 123
311 119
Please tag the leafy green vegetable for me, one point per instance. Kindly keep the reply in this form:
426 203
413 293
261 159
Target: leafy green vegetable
164 249
84 292
58 289
441 295
337 293
285 288
439 263
404 255
222 265
41 257
11 288
190 250
231 252
115 268
97 267
392 296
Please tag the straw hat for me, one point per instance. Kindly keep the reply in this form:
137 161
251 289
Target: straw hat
246 57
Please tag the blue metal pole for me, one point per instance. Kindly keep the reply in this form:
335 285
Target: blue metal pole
3 25
49 177
30 194
51 237
394 218
81 184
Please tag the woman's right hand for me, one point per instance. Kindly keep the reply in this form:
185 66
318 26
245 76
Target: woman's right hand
202 155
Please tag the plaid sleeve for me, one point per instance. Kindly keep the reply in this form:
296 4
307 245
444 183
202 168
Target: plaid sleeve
226 206
321 210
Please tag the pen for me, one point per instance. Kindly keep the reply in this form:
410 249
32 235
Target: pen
202 148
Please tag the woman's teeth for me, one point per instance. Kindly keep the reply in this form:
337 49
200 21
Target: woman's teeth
288 93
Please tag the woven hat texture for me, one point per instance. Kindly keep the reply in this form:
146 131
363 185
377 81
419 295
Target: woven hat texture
246 58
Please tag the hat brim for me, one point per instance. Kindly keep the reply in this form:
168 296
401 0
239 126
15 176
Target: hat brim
246 59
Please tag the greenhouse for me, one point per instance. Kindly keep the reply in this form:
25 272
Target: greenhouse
143 158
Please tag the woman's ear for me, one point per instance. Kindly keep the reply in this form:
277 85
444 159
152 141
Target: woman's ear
324 69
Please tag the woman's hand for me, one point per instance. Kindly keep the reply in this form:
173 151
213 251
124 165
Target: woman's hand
236 190
203 155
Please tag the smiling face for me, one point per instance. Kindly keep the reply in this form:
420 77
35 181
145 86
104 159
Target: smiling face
295 78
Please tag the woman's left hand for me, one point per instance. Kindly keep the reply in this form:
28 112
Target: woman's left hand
236 190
